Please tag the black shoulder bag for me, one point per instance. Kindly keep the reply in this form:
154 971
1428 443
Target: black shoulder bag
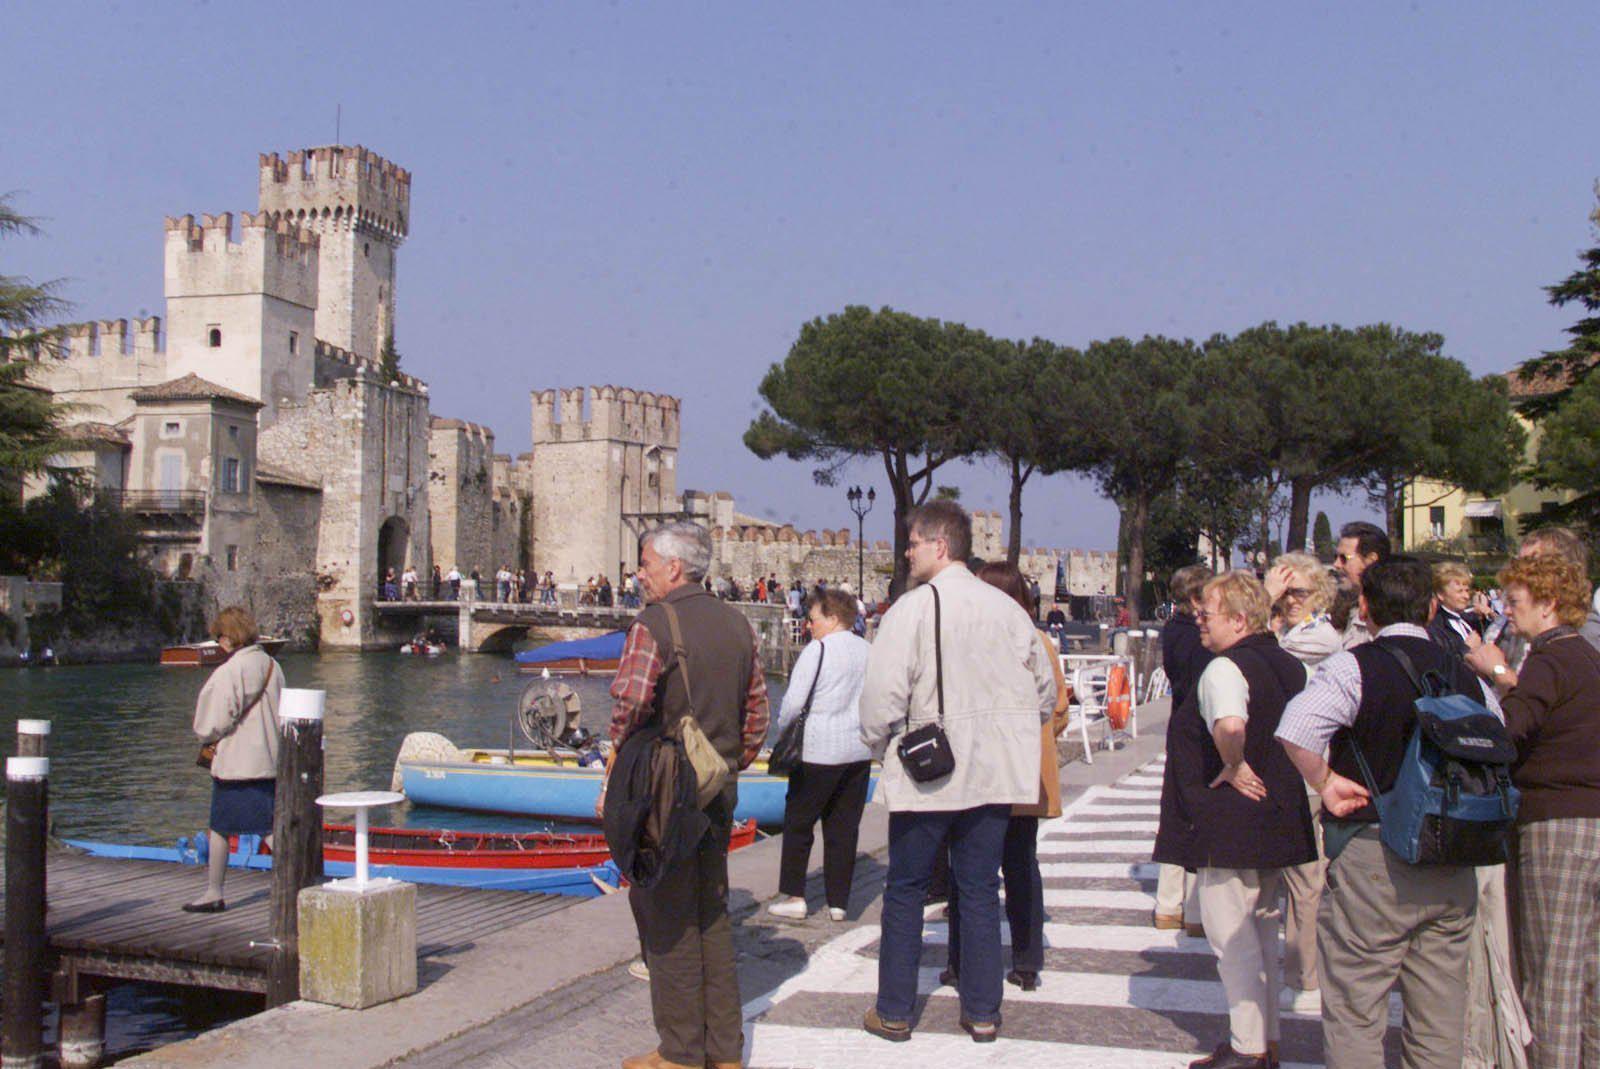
789 750
925 753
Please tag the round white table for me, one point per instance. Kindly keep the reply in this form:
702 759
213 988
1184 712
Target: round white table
361 802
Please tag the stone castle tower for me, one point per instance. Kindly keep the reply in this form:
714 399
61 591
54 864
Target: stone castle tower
359 204
242 313
604 470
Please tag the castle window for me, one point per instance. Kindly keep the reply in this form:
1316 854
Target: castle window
230 475
294 342
172 428
1436 521
366 248
233 558
214 337
233 433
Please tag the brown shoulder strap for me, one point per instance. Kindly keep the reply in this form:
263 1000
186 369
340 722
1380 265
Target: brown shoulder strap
679 654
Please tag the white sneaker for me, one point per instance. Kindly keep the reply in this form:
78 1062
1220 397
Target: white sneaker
639 970
1308 1002
835 913
793 909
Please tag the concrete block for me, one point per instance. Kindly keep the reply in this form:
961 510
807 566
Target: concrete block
358 948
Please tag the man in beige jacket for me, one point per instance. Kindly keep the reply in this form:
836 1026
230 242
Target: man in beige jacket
998 687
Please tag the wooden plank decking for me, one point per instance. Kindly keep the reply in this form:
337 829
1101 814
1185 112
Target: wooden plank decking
119 919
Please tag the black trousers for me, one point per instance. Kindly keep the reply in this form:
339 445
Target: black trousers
835 794
1019 866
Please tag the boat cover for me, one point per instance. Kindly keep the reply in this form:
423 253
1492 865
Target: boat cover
605 648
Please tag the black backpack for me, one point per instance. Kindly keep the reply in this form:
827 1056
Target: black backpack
652 817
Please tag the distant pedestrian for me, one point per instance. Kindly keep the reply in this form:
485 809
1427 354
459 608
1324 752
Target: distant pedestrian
391 588
408 583
831 783
993 689
453 577
438 580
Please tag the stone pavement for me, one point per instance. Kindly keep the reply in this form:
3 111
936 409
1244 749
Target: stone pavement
1115 992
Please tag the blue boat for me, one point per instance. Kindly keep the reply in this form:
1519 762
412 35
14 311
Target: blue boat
579 882
555 786
584 656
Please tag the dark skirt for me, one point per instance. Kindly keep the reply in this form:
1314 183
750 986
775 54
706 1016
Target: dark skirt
242 806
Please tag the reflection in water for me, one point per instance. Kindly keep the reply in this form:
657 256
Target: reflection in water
122 752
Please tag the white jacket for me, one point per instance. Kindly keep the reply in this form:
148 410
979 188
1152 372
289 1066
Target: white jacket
999 687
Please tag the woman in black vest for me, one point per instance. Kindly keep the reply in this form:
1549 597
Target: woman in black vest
1228 773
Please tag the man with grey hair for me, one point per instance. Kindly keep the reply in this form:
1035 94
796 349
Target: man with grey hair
689 655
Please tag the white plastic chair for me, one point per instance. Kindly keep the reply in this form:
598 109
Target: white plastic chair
1157 686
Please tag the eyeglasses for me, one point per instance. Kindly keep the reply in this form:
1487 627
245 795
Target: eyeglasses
1298 593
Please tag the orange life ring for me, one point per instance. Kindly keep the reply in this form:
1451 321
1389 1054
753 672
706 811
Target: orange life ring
347 617
1119 700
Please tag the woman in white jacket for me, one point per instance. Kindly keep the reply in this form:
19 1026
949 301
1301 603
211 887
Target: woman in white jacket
238 711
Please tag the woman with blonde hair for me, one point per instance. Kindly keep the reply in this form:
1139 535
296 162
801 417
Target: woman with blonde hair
237 711
1302 592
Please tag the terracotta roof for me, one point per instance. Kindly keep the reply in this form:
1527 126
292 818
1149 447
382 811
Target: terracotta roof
1523 385
89 432
265 473
192 388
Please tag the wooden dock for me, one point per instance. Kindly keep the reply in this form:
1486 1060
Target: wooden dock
112 920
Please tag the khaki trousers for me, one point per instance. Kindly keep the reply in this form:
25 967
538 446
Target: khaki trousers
1302 886
1239 908
688 944
1382 920
1175 895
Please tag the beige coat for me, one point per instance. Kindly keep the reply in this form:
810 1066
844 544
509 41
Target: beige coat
250 751
999 687
1049 803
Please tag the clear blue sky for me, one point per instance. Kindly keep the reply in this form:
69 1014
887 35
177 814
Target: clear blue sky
659 195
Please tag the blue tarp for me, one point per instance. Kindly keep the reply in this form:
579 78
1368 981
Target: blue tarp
604 648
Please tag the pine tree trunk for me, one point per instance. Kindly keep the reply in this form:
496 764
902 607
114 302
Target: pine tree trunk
1138 522
1014 543
1300 489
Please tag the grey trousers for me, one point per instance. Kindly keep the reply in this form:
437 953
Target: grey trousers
1382 920
1302 886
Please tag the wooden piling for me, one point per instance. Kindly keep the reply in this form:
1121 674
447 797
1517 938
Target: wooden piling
27 815
31 737
83 1032
296 835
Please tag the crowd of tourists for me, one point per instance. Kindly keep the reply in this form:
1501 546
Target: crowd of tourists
1297 697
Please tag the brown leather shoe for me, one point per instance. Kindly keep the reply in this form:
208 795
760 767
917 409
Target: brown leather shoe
1167 922
723 1065
653 1060
1194 931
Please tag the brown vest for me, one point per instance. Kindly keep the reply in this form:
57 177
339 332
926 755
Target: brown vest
720 649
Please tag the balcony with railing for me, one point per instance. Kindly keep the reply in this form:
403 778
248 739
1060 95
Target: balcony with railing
185 503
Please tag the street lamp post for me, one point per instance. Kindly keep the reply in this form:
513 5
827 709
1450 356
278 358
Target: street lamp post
855 497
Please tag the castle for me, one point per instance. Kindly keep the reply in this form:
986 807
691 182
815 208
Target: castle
259 447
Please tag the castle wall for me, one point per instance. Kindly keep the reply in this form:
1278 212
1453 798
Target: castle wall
283 588
367 444
96 365
461 495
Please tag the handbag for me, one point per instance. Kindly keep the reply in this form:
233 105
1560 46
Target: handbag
788 751
711 771
208 751
925 753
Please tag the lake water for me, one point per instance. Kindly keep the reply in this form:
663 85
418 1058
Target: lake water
122 766
122 748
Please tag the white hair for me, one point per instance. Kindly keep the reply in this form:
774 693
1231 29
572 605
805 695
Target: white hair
683 541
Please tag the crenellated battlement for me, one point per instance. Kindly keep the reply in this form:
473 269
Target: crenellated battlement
606 413
96 338
335 363
338 187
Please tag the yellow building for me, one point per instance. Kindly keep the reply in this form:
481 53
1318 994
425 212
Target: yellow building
1441 517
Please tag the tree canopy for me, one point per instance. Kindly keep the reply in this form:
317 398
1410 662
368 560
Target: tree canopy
883 383
30 419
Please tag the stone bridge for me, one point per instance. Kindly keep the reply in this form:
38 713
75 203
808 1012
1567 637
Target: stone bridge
493 626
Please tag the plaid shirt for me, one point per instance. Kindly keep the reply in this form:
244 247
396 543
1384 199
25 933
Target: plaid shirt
633 692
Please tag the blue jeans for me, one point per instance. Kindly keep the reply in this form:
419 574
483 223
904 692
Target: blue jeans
977 837
1019 868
